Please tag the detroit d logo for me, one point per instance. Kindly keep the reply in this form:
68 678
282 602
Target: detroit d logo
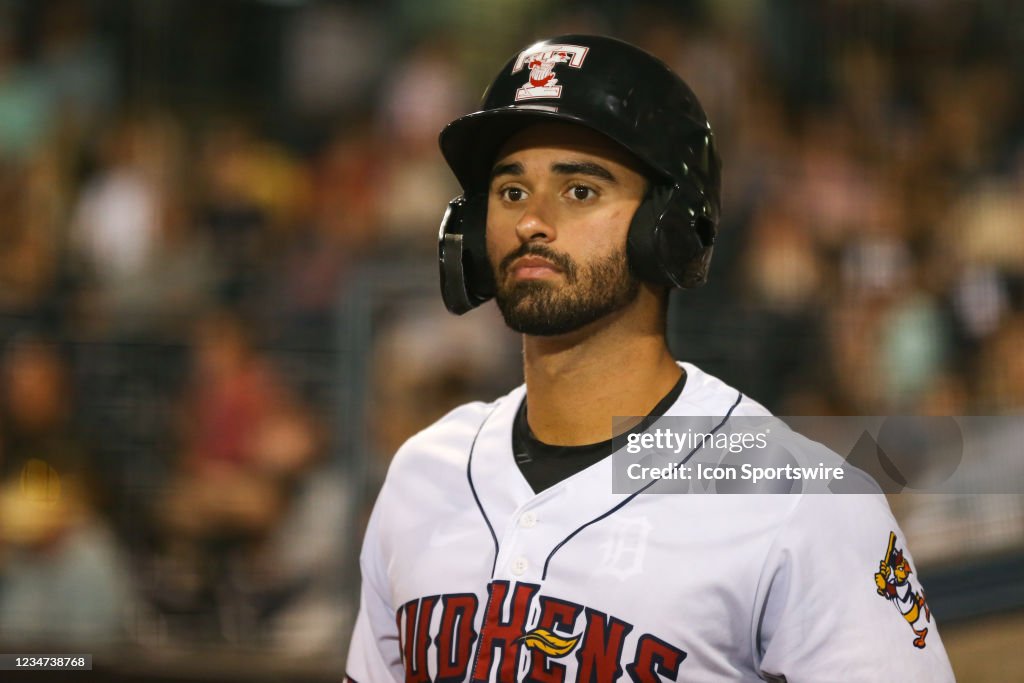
622 553
543 80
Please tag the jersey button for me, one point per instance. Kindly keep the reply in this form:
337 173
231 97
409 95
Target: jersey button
528 520
519 566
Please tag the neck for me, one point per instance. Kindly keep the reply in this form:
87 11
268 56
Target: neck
617 366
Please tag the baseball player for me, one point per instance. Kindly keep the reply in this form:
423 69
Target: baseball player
497 549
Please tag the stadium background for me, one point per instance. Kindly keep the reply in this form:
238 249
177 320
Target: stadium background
219 313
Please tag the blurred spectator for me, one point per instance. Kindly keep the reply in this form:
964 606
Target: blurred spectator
1001 377
247 556
423 95
76 61
334 56
62 577
63 580
26 99
123 217
29 237
233 390
252 194
426 364
36 413
913 345
342 229
983 229
782 269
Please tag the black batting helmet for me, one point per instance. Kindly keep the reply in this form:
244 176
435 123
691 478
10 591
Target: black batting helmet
621 92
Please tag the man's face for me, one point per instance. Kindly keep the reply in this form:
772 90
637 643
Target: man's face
559 207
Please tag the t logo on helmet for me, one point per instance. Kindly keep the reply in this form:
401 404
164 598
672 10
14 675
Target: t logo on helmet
543 82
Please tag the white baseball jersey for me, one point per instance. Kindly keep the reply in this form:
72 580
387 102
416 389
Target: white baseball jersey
468 575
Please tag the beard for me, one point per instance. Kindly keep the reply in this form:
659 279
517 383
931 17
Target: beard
590 292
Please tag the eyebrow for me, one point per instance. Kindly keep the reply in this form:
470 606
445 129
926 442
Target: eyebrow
514 168
584 168
562 168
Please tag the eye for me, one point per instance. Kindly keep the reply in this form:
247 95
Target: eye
582 192
512 194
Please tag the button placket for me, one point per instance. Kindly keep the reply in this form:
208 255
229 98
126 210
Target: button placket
519 566
528 520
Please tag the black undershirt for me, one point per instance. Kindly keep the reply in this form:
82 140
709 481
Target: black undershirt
544 465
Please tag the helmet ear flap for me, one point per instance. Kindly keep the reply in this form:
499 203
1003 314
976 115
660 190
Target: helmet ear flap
466 277
671 238
641 241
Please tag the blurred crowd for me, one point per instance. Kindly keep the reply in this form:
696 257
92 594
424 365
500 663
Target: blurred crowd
193 196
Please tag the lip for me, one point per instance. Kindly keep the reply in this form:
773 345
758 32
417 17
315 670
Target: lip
533 267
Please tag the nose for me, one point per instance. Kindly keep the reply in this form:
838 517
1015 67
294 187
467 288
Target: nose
534 224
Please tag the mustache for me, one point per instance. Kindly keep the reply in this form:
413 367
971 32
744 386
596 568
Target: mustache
543 251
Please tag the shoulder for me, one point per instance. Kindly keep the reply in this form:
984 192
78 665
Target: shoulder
447 442
705 394
848 511
429 471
